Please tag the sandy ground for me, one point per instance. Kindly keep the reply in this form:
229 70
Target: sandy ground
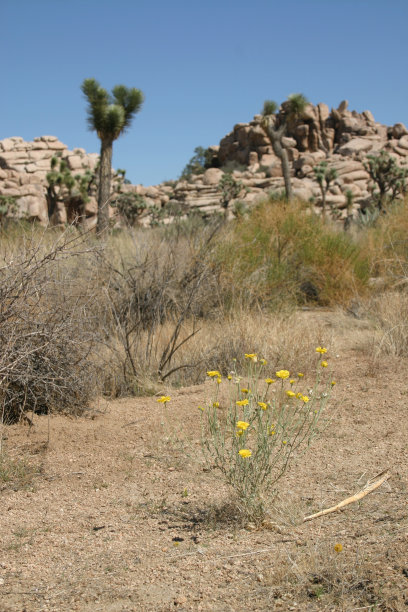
116 516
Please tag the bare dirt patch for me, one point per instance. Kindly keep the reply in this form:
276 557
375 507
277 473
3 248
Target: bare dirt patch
117 513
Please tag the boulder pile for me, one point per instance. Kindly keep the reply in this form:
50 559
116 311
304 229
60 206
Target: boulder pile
341 137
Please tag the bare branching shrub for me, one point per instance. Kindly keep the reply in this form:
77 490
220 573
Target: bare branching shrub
45 339
156 291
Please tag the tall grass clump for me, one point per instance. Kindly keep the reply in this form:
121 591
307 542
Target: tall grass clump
267 417
283 253
386 245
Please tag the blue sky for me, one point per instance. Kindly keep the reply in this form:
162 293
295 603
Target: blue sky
203 66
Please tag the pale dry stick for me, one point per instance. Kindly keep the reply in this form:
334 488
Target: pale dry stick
371 485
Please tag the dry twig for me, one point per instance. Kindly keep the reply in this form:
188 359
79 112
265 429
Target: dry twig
371 485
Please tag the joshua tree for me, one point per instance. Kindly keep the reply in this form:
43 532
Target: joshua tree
109 115
324 176
276 127
229 189
388 177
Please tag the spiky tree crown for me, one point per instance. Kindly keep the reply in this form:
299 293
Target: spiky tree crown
110 114
269 108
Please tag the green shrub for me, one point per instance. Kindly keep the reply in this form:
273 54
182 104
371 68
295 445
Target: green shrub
284 253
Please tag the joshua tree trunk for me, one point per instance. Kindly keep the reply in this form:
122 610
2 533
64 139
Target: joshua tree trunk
105 169
275 137
323 192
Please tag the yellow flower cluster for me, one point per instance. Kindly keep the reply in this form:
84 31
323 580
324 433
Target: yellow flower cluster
163 399
282 374
245 452
242 425
252 356
321 350
243 402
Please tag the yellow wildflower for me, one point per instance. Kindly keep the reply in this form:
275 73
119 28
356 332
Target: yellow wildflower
242 425
300 375
262 405
244 390
240 432
263 361
321 350
201 408
163 399
214 374
292 380
284 442
229 377
283 374
269 381
324 364
252 356
305 399
245 452
216 404
243 402
219 380
290 394
338 547
299 395
272 432
333 382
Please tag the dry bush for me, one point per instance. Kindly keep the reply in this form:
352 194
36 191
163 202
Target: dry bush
322 578
386 245
154 286
389 312
44 335
285 340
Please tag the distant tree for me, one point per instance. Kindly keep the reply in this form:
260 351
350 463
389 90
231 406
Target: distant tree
109 115
199 163
8 208
63 186
324 176
388 177
276 125
130 206
229 189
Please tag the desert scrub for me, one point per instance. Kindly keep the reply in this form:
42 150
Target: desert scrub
283 253
251 437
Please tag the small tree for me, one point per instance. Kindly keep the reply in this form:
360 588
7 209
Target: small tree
63 186
276 125
229 189
199 163
130 206
388 177
324 176
349 207
8 208
109 115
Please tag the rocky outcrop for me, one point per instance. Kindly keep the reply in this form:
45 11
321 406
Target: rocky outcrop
24 167
339 136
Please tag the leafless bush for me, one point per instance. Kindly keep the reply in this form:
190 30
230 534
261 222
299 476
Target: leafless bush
44 326
156 291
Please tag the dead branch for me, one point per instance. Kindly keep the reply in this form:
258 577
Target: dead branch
371 485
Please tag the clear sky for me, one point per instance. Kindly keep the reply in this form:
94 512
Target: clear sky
202 65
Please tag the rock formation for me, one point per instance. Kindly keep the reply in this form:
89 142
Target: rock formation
341 137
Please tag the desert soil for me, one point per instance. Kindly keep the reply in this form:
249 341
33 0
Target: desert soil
114 515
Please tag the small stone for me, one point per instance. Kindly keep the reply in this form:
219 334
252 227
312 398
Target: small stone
259 577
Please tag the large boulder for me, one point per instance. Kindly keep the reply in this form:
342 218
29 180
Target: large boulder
212 176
